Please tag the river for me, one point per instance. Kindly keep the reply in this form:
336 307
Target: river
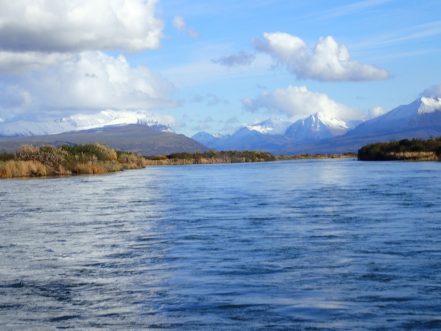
311 244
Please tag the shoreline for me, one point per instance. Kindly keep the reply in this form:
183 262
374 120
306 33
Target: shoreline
95 159
418 150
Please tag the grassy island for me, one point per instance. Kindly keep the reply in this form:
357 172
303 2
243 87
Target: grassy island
406 150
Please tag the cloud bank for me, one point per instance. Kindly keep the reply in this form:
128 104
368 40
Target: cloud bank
86 82
298 102
53 62
326 61
77 25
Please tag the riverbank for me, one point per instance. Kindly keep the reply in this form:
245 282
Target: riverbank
316 156
403 150
94 159
214 157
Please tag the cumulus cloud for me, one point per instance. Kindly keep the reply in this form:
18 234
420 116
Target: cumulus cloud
24 61
77 25
299 102
326 61
239 59
77 122
180 25
87 81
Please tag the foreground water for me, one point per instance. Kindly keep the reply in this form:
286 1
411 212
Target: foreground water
333 244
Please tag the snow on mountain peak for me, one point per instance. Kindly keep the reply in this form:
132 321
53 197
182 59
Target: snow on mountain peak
80 122
429 105
329 121
270 126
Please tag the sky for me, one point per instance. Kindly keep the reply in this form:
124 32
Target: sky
216 65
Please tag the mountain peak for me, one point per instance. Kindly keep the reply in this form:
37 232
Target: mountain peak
79 122
269 126
317 126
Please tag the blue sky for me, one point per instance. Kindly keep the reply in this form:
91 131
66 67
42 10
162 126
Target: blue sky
394 48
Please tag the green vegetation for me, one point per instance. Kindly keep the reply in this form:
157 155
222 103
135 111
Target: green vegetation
412 150
32 161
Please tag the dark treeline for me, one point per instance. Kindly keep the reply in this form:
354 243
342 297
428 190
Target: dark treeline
415 149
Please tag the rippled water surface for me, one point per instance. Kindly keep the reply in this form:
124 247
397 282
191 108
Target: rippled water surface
327 244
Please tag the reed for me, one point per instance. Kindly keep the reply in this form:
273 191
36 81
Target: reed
91 159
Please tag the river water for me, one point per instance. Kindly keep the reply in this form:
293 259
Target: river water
316 244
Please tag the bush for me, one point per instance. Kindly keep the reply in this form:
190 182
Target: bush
30 161
397 149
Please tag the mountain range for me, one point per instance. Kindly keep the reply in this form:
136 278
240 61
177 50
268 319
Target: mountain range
320 133
150 135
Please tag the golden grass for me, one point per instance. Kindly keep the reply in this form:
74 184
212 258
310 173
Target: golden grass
32 161
11 169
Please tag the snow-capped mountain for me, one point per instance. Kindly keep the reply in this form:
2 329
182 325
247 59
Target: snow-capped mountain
275 135
81 122
321 133
315 127
419 119
269 126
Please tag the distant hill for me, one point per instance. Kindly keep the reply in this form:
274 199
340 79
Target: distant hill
136 138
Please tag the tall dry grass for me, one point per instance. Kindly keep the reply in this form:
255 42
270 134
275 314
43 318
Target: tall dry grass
93 159
11 169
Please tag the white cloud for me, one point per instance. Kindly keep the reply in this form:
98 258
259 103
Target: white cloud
326 61
432 92
180 25
24 61
376 112
429 105
299 102
77 25
80 121
86 82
